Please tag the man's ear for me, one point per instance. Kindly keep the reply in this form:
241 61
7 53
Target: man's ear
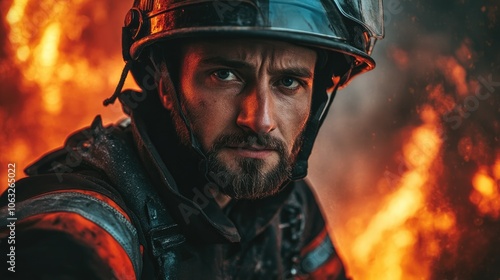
165 97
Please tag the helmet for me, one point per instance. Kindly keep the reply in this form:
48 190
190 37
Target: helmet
341 27
344 26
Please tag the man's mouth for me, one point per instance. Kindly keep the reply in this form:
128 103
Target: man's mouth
251 151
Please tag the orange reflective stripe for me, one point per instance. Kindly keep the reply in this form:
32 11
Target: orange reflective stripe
97 195
88 233
330 270
321 259
314 243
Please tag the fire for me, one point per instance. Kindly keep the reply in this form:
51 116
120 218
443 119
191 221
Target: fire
485 194
46 56
387 243
62 79
456 74
420 212
43 67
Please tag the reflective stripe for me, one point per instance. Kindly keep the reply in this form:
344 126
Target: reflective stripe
318 256
91 208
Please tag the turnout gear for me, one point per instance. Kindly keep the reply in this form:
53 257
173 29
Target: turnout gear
159 232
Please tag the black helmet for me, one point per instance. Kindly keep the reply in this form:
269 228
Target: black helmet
344 26
339 27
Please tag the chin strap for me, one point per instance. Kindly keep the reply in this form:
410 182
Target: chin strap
169 86
120 84
312 129
322 100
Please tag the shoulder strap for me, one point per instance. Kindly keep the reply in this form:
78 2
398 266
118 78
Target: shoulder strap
111 150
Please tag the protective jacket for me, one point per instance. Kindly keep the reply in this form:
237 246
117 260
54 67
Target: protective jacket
109 206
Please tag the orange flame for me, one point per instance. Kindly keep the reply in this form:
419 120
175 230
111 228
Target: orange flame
62 77
387 243
485 194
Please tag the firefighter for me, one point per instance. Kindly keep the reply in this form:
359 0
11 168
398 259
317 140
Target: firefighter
205 179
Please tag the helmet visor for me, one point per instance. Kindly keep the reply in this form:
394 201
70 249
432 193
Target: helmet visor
369 13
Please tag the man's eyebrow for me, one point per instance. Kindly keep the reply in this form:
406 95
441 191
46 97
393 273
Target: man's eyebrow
301 72
294 71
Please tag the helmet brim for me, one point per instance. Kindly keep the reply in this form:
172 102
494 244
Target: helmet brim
361 61
319 24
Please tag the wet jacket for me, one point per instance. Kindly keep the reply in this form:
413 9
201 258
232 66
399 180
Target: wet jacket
106 206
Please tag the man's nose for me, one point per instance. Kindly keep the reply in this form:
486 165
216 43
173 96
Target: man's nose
257 112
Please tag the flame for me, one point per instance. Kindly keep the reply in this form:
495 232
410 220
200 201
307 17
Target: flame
43 67
485 193
62 79
376 258
417 218
456 74
39 54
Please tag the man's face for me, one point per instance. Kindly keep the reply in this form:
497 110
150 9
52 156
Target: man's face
247 102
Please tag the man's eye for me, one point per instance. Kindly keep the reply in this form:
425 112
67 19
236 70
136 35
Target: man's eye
290 83
225 75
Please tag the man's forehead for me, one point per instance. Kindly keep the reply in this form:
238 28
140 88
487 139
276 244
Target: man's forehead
250 49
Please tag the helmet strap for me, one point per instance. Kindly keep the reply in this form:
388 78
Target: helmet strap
311 131
120 84
326 87
170 86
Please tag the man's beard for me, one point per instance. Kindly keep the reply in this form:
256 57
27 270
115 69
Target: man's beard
249 180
